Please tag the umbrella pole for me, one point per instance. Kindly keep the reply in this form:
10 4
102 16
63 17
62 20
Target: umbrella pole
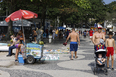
23 31
24 53
34 23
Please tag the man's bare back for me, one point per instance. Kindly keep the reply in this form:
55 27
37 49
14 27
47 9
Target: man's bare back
73 36
97 36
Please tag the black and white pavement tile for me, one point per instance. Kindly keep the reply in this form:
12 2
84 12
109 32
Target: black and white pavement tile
25 73
84 65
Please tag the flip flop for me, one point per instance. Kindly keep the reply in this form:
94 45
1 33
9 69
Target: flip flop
76 57
112 69
16 60
108 67
71 59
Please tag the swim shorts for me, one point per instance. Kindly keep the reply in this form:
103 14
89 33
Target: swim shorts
91 36
73 46
56 35
95 47
16 45
110 50
35 35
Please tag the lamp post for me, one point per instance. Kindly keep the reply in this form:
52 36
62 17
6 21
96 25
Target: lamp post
55 23
58 21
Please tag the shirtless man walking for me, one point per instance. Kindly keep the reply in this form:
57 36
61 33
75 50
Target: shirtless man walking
73 42
98 35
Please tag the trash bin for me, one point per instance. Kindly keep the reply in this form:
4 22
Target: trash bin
50 38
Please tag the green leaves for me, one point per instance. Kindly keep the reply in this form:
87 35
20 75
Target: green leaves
71 11
111 12
82 3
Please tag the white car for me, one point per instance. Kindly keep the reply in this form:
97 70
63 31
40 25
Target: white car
4 47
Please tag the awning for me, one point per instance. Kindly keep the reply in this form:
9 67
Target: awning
61 27
109 26
69 28
17 23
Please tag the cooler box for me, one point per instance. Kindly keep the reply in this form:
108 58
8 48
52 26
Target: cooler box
20 58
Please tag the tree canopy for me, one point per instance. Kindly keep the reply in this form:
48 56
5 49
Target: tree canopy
111 12
69 11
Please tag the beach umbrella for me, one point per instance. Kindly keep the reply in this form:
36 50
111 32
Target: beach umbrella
21 14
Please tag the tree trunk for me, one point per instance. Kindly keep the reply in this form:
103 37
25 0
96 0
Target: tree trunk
41 23
82 24
9 29
10 24
44 16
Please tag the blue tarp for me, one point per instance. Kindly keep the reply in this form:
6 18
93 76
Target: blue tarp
61 27
95 25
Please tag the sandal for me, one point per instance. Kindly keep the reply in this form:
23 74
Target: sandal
76 57
71 59
16 60
20 52
112 69
108 67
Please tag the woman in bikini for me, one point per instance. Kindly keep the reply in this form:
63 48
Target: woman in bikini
18 46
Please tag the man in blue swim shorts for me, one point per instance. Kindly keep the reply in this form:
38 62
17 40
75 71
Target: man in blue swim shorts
73 42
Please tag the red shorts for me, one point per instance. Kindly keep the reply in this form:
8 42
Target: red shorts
110 50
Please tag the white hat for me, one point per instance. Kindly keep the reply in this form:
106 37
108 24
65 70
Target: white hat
99 26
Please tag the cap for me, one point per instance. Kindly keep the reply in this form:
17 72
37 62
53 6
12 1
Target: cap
99 26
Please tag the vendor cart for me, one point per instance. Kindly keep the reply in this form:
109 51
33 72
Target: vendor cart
33 52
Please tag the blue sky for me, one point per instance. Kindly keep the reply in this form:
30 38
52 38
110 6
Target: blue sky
108 1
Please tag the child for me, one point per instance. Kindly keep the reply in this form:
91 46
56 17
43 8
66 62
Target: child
12 46
100 60
110 44
13 40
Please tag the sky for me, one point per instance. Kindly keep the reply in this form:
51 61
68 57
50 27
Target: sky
108 1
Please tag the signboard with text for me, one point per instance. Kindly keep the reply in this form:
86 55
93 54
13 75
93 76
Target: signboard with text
35 50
